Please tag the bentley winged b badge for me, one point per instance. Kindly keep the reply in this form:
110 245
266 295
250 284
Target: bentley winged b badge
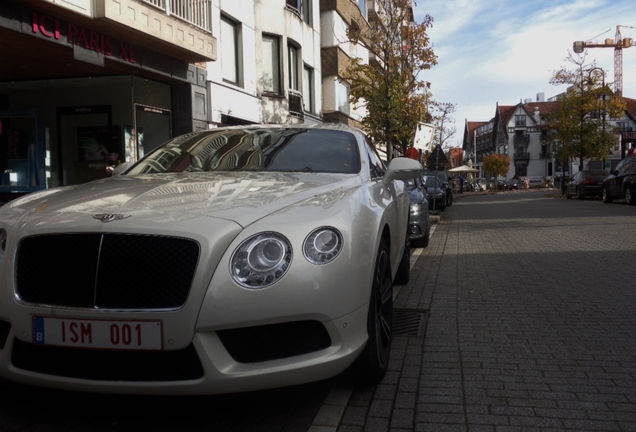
109 217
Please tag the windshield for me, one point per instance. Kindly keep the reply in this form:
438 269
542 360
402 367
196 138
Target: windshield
432 181
256 149
440 174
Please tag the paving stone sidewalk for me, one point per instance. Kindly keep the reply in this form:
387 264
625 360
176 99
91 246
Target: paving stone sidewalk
530 313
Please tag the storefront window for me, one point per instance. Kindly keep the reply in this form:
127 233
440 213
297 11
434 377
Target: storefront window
18 145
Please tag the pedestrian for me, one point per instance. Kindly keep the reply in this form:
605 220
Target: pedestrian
461 184
526 183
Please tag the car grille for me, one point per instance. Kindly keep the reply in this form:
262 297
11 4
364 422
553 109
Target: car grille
274 341
111 271
103 365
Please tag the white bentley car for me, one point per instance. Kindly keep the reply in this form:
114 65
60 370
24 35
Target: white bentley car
227 260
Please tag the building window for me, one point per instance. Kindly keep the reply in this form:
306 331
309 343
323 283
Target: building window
520 121
230 56
362 4
303 7
271 64
623 126
343 98
293 67
294 4
305 10
308 89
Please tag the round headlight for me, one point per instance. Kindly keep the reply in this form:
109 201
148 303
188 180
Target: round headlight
261 260
322 245
3 242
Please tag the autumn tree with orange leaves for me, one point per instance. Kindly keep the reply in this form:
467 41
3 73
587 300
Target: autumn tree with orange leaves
389 85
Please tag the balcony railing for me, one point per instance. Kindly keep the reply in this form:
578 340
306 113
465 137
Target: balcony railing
195 12
521 156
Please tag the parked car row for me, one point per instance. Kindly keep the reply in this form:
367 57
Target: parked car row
520 183
620 183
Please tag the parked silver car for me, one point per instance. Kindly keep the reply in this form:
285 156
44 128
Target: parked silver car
220 262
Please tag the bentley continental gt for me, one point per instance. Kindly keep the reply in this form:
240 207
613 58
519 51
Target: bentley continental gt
226 260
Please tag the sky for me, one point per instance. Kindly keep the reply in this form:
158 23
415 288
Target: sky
503 52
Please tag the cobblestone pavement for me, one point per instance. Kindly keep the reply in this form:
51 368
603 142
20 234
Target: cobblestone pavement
527 314
531 324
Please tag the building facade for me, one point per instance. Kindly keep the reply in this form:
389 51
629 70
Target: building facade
88 84
521 131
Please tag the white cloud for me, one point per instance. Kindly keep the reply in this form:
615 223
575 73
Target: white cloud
503 51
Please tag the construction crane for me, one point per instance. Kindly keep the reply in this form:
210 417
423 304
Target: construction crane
618 43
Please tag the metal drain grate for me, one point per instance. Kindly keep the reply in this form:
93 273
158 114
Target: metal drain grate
409 322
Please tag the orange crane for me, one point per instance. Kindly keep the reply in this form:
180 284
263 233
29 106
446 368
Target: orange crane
618 44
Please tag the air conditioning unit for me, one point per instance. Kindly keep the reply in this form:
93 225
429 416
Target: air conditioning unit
295 103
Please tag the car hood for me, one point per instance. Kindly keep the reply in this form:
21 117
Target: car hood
241 197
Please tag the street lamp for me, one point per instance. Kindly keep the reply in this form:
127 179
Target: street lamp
604 108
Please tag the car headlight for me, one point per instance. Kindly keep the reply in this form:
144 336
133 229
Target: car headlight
417 207
3 242
323 245
261 260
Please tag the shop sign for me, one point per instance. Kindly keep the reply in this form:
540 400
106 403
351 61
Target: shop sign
54 28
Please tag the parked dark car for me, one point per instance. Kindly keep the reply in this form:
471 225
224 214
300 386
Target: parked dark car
419 221
513 184
436 193
621 183
586 183
447 181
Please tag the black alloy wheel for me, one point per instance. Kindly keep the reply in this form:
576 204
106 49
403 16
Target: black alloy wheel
373 362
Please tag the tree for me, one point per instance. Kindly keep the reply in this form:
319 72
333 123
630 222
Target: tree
579 119
496 165
388 85
443 122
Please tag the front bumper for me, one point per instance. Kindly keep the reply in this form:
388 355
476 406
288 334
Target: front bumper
215 362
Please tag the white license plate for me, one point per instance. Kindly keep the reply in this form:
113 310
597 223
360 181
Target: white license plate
100 334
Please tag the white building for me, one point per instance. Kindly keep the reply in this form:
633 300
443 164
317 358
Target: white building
268 67
521 131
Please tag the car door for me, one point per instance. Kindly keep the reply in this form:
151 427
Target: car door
573 182
615 184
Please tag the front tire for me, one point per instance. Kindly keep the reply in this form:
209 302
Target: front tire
449 200
607 198
373 362
630 199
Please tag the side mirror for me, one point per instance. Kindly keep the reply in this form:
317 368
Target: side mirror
402 168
